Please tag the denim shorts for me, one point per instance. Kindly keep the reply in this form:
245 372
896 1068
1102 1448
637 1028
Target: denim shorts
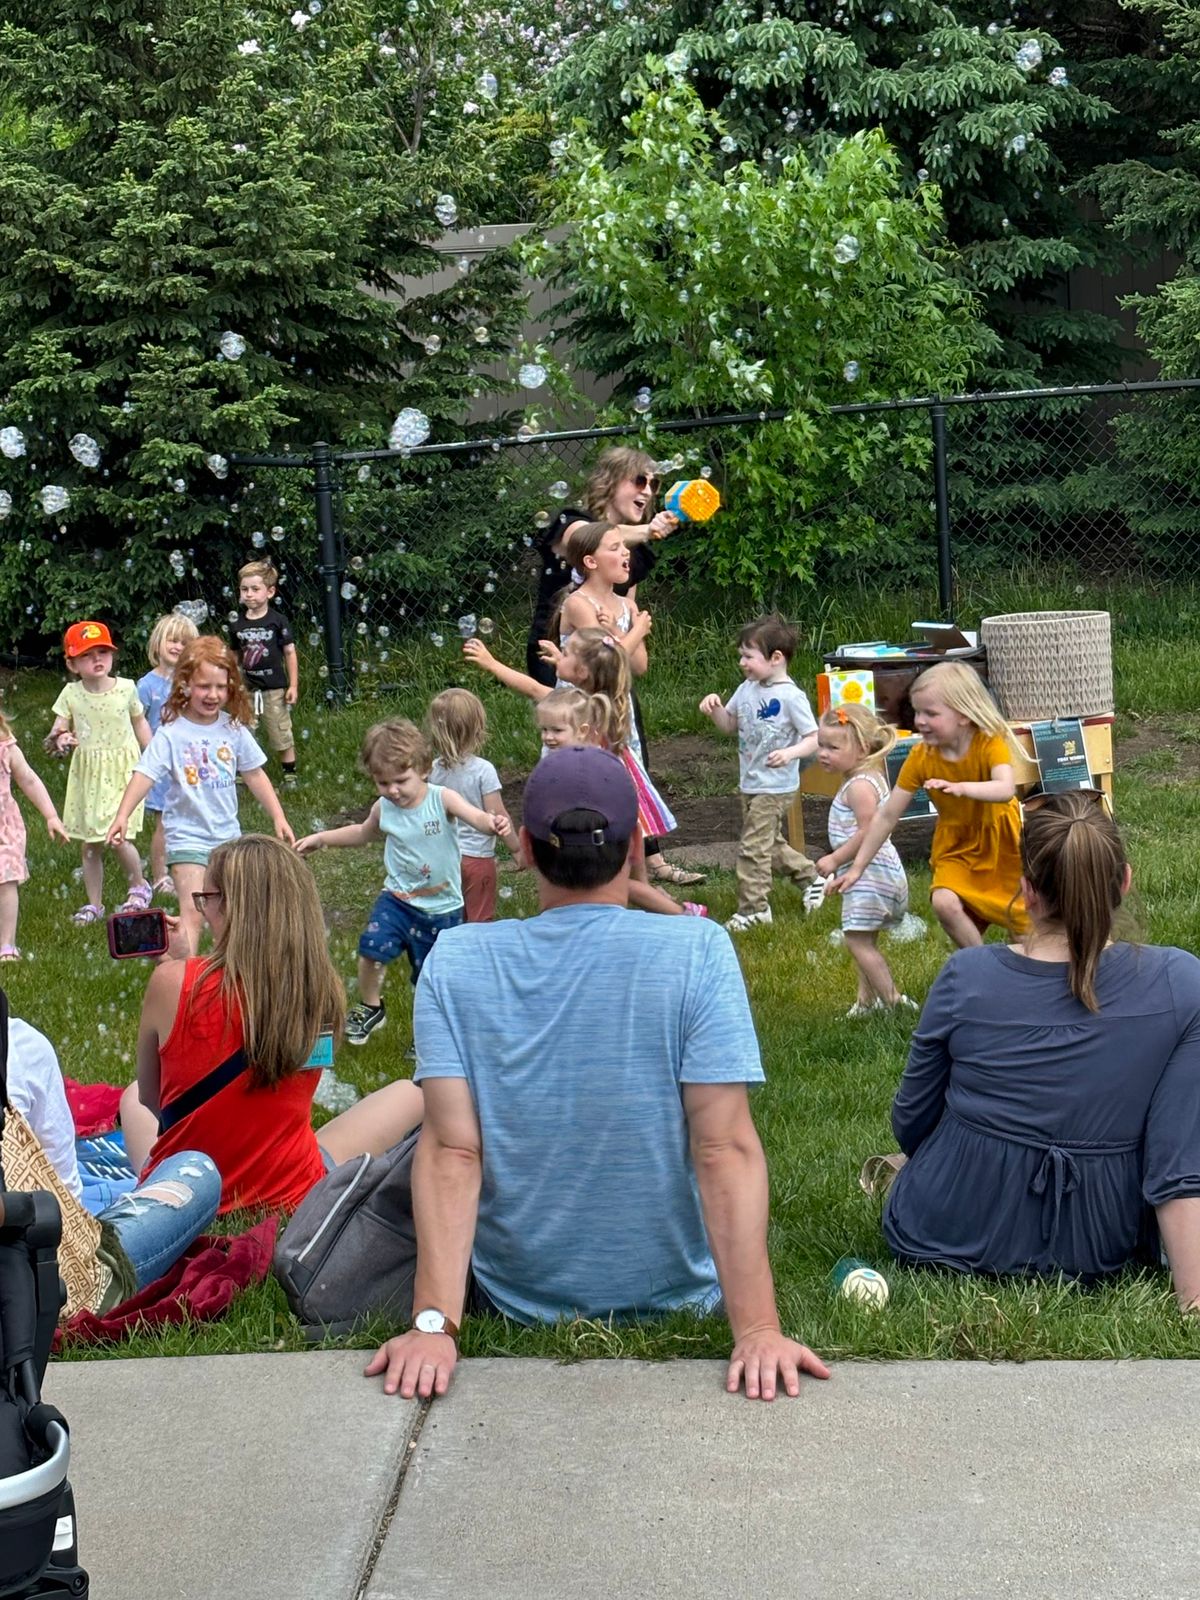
396 927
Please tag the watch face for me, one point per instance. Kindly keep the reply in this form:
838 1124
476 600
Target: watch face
429 1322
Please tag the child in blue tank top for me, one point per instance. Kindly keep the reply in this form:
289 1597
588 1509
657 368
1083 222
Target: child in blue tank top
422 891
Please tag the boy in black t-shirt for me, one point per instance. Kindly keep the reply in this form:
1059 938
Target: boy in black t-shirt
267 654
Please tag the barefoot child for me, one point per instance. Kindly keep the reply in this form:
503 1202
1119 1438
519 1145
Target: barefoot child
13 867
457 732
776 736
100 719
167 639
422 894
852 742
965 764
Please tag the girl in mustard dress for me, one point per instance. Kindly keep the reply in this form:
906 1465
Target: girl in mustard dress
965 765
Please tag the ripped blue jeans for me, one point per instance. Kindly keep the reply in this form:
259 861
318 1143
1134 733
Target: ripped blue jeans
159 1219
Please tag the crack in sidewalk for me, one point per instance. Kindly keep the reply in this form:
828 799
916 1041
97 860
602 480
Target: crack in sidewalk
393 1500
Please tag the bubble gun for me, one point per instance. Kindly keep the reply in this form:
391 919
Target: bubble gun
694 500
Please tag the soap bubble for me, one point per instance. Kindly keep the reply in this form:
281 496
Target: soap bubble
558 149
410 429
728 144
348 591
436 640
12 443
1058 77
364 472
5 503
487 627
506 892
54 498
487 85
560 490
249 47
480 334
433 344
194 610
1029 56
541 519
446 210
357 563
468 626
258 538
676 63
851 371
85 450
463 264
315 8
299 19
232 346
532 375
178 485
1016 145
642 401
846 250
217 465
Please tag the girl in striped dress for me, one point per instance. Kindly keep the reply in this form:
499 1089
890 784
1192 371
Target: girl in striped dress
853 742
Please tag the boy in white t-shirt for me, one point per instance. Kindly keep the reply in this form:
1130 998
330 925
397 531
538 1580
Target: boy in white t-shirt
777 735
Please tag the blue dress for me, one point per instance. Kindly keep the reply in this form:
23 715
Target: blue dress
1040 1133
154 691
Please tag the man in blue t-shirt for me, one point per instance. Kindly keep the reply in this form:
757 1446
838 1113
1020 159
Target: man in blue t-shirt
588 1149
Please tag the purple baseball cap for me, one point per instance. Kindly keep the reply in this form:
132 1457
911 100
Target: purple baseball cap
580 778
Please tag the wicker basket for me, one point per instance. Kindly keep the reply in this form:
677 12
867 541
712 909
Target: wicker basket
1050 663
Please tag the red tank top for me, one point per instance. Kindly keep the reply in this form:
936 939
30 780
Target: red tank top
261 1140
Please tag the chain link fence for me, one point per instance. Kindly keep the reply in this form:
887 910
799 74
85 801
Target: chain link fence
418 549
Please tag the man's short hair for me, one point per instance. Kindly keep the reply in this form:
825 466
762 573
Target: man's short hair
769 634
580 809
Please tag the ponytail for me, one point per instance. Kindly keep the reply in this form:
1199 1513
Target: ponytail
1074 858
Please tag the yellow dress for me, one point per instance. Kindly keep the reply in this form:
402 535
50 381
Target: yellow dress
102 761
977 843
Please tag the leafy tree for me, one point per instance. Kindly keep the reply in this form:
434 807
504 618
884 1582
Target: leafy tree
202 230
792 288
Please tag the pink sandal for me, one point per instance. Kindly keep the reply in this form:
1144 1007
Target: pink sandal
86 914
139 898
692 908
9 952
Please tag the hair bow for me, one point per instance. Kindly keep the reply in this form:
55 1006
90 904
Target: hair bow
609 642
840 713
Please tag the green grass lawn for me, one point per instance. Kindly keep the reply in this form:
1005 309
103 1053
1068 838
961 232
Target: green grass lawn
825 1106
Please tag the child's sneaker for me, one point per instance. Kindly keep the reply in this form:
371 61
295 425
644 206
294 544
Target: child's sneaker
814 894
860 1010
362 1021
905 1002
741 920
289 781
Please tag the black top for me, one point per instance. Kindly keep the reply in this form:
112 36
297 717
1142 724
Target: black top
259 642
554 574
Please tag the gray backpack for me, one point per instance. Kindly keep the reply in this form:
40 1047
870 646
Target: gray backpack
350 1250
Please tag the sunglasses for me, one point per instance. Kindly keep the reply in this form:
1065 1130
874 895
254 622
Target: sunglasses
641 480
1037 802
199 896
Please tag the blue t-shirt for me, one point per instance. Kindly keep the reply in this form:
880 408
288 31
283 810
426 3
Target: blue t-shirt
421 853
154 691
575 1030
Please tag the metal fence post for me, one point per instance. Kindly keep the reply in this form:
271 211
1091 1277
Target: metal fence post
330 570
941 498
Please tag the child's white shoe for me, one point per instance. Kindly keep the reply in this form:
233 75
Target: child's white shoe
814 895
860 1010
741 920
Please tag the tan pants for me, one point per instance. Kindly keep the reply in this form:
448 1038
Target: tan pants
763 850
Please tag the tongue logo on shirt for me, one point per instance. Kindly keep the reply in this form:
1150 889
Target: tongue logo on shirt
770 709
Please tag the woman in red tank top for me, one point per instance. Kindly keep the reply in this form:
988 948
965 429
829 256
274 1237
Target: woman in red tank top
268 988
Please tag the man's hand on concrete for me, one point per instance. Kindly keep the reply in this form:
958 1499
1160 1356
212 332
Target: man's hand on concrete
415 1364
761 1358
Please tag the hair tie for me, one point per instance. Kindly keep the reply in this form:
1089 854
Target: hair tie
609 642
840 713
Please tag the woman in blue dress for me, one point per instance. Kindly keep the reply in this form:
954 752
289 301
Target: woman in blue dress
1050 1108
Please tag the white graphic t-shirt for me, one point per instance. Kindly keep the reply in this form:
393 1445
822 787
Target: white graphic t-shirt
202 761
770 716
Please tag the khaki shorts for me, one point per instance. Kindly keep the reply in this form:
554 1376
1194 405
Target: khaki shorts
271 707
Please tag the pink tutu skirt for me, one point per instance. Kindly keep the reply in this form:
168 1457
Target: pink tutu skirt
654 814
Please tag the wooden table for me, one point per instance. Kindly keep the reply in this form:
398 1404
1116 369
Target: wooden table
1097 738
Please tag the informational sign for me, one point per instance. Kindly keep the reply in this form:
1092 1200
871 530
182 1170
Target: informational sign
1062 755
920 805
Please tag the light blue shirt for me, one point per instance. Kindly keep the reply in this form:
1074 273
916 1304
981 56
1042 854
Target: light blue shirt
420 853
154 690
575 1031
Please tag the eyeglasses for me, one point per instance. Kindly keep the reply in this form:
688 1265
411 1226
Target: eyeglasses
1037 802
640 480
199 896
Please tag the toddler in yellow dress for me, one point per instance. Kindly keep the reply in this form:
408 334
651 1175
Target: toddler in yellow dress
965 764
102 722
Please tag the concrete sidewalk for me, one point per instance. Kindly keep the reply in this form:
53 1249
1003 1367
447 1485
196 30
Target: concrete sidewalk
290 1476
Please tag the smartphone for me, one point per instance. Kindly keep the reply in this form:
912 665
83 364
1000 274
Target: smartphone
137 933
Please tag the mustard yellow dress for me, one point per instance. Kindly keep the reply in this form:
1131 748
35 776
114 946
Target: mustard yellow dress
977 843
102 761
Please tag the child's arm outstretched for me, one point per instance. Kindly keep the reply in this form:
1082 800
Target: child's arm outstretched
136 790
996 790
875 835
863 799
494 805
475 650
263 790
496 822
714 707
35 791
367 831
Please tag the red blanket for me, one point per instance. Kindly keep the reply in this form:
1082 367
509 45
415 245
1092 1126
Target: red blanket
93 1106
199 1287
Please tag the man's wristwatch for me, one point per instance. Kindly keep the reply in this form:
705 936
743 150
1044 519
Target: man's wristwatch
431 1321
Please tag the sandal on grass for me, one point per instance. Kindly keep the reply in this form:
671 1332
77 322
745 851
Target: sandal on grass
668 872
138 899
165 886
86 914
9 952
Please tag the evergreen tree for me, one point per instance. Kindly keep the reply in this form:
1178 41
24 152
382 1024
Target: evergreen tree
202 229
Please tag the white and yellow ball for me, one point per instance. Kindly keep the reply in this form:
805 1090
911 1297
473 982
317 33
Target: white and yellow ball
867 1286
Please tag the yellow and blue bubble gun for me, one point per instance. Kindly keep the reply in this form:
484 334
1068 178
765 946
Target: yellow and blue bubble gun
693 500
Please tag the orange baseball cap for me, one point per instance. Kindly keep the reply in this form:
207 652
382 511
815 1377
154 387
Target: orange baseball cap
81 637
